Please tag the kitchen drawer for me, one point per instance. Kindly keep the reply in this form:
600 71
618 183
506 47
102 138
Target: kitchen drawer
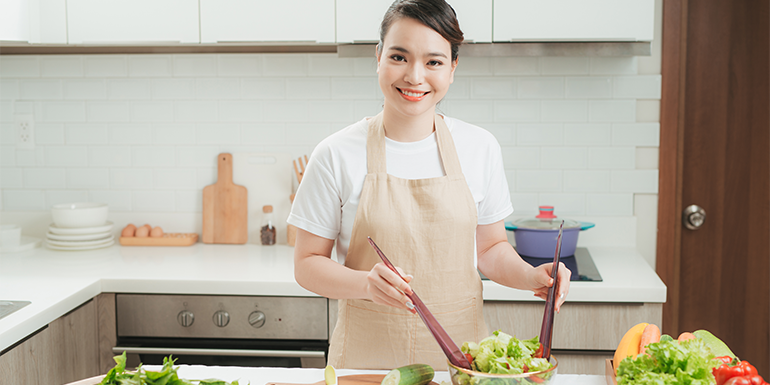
579 326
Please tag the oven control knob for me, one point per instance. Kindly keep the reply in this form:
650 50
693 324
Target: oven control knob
221 318
185 318
257 319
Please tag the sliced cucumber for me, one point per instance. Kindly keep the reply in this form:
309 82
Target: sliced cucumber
415 374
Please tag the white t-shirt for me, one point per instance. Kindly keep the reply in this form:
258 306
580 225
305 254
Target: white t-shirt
328 197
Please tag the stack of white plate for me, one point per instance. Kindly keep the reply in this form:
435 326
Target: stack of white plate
79 238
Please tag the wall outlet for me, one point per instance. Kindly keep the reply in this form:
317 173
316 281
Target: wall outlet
25 132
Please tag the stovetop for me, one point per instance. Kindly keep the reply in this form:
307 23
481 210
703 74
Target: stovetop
581 265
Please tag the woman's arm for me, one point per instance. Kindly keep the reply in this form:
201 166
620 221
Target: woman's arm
316 271
498 260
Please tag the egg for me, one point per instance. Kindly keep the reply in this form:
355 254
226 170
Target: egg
128 231
156 232
143 231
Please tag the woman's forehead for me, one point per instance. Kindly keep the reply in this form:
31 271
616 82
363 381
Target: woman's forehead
408 35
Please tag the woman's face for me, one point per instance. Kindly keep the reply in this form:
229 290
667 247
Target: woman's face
415 67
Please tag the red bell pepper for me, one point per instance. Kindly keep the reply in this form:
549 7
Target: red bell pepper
725 372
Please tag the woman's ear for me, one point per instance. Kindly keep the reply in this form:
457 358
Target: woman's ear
377 55
452 73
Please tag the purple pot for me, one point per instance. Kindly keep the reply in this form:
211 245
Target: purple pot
536 237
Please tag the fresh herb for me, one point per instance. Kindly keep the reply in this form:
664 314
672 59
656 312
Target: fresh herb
670 362
166 376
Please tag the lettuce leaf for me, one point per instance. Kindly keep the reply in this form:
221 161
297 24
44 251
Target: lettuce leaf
669 362
502 353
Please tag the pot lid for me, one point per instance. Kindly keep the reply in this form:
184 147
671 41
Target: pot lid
546 220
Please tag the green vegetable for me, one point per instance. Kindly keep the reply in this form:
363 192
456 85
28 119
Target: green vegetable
166 376
415 374
716 345
666 337
670 362
502 353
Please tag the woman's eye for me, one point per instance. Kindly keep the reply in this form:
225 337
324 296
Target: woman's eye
434 63
397 58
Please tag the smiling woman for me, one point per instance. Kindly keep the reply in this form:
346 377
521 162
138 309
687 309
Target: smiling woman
430 190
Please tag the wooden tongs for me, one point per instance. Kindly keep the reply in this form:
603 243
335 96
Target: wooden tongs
546 330
299 171
452 352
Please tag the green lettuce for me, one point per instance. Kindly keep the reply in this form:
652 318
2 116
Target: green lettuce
669 362
502 353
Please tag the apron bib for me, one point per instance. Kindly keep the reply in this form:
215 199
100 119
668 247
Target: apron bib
426 227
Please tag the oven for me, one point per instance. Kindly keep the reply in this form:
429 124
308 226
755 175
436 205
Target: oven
250 331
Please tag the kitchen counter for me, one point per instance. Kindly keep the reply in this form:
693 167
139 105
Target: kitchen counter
56 282
258 376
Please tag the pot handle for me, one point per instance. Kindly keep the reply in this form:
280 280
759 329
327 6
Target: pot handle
510 226
586 225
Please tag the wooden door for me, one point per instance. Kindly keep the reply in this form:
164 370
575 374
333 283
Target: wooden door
715 153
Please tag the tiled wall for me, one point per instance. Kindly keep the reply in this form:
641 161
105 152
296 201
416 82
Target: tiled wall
141 132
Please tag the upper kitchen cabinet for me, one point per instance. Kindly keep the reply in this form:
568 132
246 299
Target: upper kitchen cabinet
569 20
359 21
267 21
33 21
135 21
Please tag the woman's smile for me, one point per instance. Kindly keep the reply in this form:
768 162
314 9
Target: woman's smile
412 95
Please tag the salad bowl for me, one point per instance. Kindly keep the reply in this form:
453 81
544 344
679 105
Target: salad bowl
462 376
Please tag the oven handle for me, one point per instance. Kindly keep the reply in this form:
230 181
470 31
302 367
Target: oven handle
221 352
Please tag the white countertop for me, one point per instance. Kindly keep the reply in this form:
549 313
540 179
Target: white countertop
59 281
259 376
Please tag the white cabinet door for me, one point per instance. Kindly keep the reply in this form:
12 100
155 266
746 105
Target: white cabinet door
475 17
570 20
33 21
250 20
132 21
358 21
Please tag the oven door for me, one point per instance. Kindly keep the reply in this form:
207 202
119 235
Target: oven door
223 330
249 353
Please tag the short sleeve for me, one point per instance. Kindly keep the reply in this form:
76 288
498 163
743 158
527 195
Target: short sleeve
317 204
496 204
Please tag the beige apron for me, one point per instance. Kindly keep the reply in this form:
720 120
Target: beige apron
427 228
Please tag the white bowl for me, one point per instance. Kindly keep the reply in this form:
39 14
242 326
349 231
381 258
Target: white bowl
10 236
81 214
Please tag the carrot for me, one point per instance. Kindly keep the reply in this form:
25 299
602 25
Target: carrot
650 334
686 336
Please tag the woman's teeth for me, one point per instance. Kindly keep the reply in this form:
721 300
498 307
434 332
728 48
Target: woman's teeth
413 94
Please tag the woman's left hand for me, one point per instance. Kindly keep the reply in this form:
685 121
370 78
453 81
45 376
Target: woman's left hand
540 278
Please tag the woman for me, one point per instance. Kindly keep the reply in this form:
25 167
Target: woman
428 189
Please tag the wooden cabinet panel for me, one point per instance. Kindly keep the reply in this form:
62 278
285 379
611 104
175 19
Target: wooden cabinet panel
63 352
567 20
247 20
580 326
123 21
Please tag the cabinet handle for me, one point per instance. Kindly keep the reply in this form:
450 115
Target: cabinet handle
221 352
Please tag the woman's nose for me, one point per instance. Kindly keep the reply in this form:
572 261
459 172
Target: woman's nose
414 74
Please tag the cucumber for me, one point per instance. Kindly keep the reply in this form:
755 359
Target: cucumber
716 345
415 374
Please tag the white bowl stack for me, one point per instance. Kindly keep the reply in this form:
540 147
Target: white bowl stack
79 226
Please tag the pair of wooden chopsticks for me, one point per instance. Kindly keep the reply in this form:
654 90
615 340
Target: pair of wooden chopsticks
300 171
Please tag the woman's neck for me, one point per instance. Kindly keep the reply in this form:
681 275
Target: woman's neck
402 128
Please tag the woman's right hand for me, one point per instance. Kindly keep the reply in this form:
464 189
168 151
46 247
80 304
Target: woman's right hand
387 288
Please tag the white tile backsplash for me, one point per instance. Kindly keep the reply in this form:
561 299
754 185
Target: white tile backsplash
45 178
79 178
61 66
40 89
142 132
109 156
85 89
9 89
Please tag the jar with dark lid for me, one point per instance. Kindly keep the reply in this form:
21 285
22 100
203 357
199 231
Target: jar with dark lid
267 231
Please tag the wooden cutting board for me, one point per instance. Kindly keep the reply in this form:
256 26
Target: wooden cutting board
225 207
354 379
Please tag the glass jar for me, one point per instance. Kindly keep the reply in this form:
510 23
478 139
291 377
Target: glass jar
267 231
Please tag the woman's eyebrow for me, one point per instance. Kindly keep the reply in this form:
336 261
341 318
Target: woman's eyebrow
404 50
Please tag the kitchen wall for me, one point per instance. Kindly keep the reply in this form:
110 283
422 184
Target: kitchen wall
141 132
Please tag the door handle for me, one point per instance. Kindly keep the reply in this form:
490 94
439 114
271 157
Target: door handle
221 352
693 217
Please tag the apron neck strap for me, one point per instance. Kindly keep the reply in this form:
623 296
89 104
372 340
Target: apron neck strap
375 147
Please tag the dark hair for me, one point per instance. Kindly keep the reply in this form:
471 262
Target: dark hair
436 14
